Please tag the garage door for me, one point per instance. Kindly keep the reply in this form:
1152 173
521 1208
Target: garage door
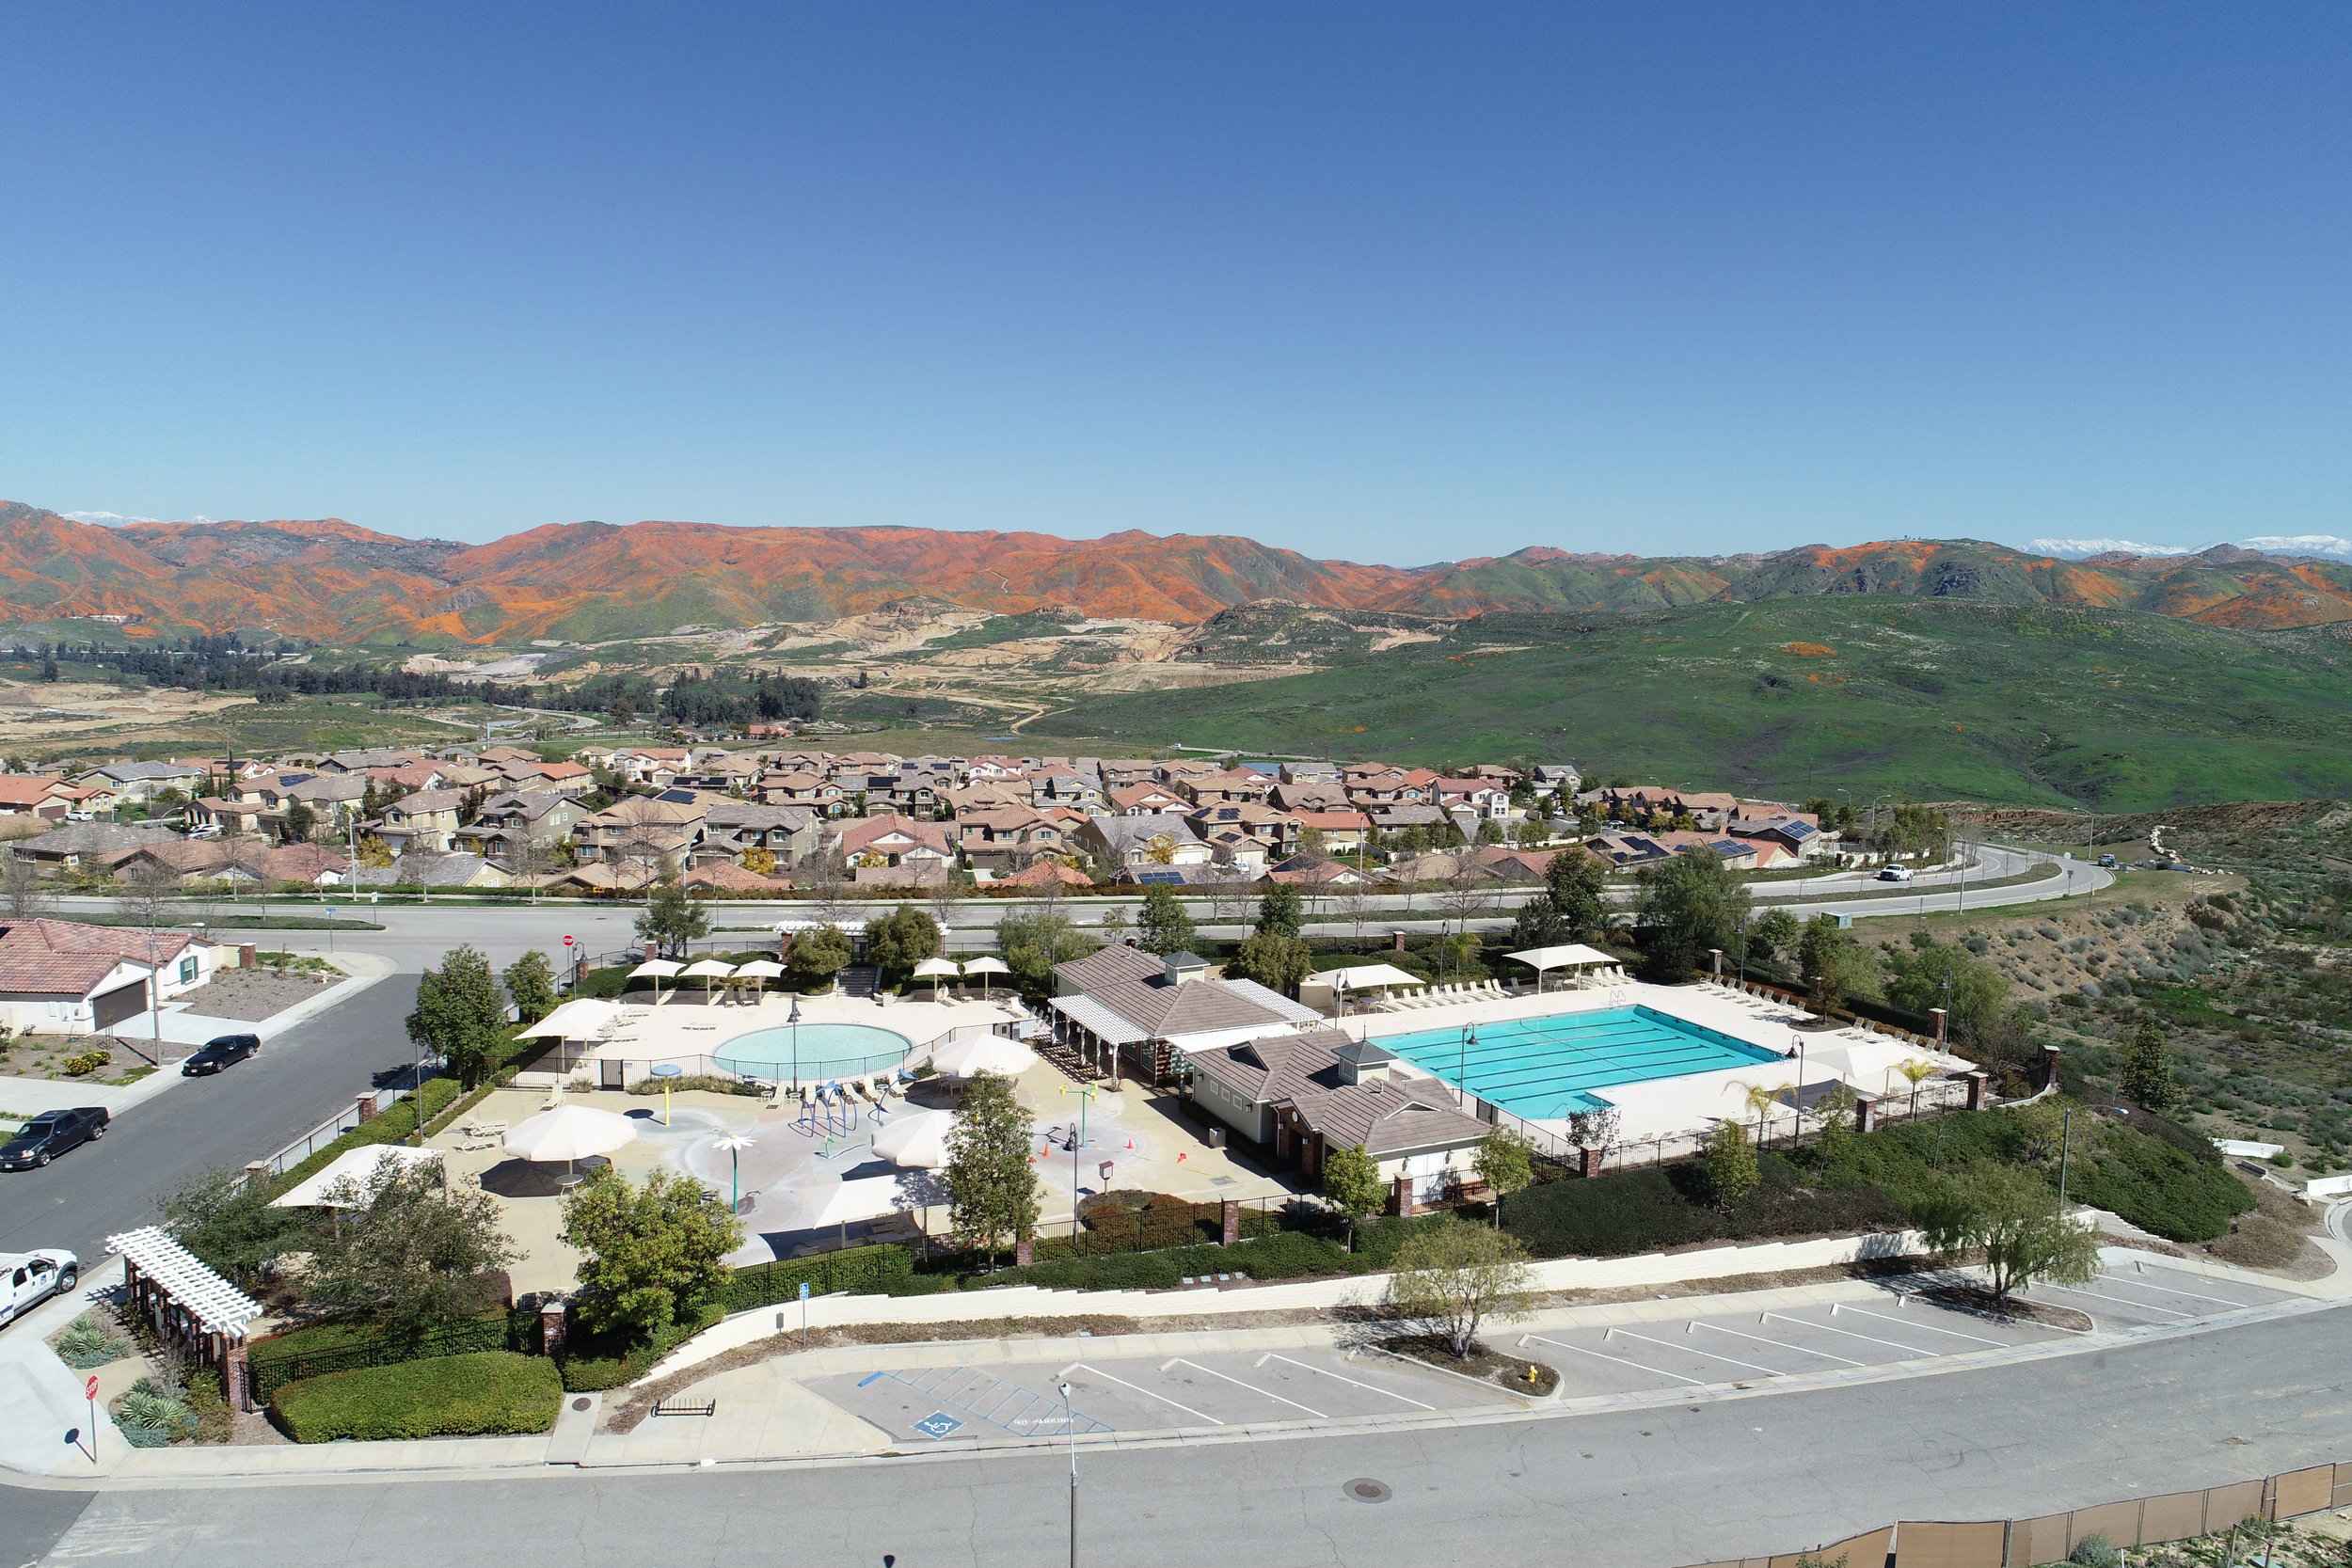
123 1002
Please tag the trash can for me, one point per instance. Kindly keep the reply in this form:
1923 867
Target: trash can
1216 1137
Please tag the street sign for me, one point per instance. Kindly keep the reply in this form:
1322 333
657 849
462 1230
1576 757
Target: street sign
567 942
89 1389
938 1424
803 1290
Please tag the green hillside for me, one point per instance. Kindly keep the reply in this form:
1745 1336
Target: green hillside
1926 697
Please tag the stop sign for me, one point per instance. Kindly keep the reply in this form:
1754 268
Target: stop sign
89 1389
567 942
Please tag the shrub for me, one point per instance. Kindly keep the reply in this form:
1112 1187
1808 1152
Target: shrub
87 1343
597 1361
881 1270
150 1418
1644 1211
490 1391
2095 1551
88 1061
705 1082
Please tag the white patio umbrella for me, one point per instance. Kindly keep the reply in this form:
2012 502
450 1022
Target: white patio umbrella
569 1133
758 969
937 970
656 970
707 970
986 966
917 1138
983 1053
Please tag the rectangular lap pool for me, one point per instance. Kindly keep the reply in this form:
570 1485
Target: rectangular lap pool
1540 1067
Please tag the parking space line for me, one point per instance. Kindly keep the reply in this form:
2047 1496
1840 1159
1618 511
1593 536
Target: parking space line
2120 1301
1654 1372
1838 1307
1665 1344
1851 1335
1237 1383
1801 1350
2175 1290
1080 1366
1371 1388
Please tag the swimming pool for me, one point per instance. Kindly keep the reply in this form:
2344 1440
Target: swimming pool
812 1053
1539 1067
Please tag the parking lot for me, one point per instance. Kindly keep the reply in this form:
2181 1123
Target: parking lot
1137 1394
2137 1294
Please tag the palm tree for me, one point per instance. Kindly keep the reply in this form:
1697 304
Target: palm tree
1916 1072
1760 1101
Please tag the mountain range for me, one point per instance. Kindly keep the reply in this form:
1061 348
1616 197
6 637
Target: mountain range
332 582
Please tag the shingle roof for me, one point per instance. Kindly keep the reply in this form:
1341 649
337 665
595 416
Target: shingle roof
1303 1072
1110 966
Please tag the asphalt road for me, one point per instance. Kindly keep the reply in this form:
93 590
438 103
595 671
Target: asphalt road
1637 1489
252 1110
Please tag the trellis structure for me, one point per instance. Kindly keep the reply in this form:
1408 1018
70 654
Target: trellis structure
190 1305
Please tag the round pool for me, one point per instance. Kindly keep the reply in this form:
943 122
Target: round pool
812 1053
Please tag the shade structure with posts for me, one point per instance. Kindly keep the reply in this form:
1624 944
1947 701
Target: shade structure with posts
1574 955
757 973
569 1133
707 970
916 1139
985 967
656 970
983 1053
936 970
347 1179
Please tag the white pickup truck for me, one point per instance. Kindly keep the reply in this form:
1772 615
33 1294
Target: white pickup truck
32 1277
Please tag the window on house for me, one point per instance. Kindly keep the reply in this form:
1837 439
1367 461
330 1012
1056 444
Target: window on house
189 968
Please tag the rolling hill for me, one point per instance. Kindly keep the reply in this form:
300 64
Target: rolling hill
1920 697
334 583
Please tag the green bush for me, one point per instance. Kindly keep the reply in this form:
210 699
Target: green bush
882 1269
1644 1211
87 1343
592 1362
2157 1187
490 1391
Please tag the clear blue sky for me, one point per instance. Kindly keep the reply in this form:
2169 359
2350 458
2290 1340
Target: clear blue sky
1380 281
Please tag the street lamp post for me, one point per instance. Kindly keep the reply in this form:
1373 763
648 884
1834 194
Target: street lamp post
1070 1426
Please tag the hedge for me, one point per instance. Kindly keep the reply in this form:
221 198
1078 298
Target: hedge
489 1391
597 1361
881 1270
1644 1211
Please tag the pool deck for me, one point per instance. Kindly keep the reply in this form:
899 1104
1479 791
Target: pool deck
685 1029
1693 1103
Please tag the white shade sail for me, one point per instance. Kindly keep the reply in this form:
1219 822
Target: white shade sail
983 1053
356 1167
569 1133
916 1138
1368 977
713 968
867 1198
585 1019
987 966
758 969
655 968
1567 957
938 966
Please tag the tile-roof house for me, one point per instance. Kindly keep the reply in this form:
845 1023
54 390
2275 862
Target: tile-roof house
1306 1094
1133 1008
62 976
1141 843
890 840
638 833
90 844
425 820
1004 838
733 828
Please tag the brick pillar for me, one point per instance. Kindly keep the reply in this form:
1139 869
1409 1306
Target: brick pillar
2049 1065
1976 1090
1230 1230
232 1373
653 951
1588 1162
1025 1251
1941 1019
1862 1116
1396 941
1403 1188
248 954
366 1107
553 1328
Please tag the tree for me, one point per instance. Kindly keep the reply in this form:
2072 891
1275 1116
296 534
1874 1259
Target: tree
1455 1277
1772 932
460 1014
902 938
531 985
2147 1078
22 892
2012 1216
1489 830
1931 974
1832 965
656 1254
1351 1180
299 823
1728 1163
1595 1129
942 898
407 1251
231 1225
816 955
145 898
1032 945
1278 912
1276 962
1916 1073
1162 926
1506 1163
673 920
1690 904
992 1186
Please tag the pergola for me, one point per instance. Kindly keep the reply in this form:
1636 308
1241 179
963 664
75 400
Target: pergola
1367 977
1574 955
188 1304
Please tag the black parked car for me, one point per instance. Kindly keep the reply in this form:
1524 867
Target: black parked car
50 1134
218 1054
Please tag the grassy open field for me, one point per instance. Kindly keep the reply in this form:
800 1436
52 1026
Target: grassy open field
1923 698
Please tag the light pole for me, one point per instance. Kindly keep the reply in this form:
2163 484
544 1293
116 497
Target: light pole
1461 1071
795 1023
1086 1093
1070 1426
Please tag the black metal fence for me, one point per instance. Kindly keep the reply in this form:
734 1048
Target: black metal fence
265 1373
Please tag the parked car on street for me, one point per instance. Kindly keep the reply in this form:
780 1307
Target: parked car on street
2107 861
220 1052
1894 872
30 1278
51 1133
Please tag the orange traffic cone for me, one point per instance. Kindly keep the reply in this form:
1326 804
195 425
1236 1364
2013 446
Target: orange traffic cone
1131 1146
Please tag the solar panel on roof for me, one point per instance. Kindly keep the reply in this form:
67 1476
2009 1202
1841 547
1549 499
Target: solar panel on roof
1160 878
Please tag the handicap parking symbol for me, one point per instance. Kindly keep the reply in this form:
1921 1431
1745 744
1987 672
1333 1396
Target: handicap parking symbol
938 1424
